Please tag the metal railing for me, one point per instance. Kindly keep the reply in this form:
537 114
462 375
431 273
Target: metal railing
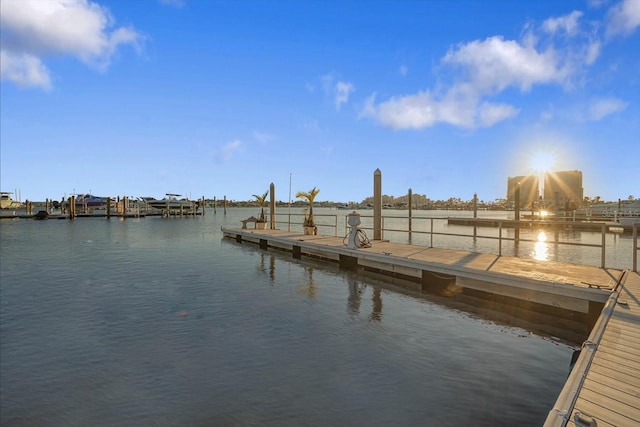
331 221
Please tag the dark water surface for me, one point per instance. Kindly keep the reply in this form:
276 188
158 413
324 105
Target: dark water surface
161 322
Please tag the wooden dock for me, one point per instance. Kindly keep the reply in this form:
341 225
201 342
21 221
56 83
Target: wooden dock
603 388
579 288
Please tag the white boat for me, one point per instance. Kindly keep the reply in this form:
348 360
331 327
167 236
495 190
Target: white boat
170 202
6 202
616 211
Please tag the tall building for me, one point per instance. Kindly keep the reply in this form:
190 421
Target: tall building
528 189
567 185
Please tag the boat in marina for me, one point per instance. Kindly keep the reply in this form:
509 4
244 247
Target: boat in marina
614 211
170 202
6 202
89 200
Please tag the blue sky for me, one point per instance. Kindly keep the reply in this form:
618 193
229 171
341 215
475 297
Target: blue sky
222 98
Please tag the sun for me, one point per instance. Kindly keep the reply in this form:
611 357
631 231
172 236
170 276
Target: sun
542 161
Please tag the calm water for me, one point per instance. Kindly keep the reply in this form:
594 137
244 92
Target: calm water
163 322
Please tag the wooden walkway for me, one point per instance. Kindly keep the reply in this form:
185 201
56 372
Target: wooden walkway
604 386
579 288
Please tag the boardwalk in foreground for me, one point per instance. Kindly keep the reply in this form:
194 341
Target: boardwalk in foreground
603 388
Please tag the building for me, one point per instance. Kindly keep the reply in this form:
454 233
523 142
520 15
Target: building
565 187
529 189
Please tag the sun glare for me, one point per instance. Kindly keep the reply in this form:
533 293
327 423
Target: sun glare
542 161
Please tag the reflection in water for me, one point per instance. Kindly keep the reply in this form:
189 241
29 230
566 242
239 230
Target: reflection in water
355 296
310 286
272 267
376 309
566 326
353 300
541 248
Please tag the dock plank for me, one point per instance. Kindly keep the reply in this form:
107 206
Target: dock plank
623 383
606 409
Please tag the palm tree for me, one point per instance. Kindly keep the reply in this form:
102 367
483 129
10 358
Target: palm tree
310 197
262 201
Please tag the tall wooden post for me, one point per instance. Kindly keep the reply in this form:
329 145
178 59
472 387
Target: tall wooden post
203 203
224 205
475 214
377 205
108 207
215 204
272 206
517 213
410 202
72 207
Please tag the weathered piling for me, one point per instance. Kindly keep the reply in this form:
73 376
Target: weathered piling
516 211
272 206
410 202
377 205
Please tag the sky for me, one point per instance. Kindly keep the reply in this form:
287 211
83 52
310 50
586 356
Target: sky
223 98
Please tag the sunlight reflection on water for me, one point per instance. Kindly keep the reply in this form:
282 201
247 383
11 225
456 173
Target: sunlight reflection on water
541 248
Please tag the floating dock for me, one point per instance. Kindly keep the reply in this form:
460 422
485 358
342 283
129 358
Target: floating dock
579 288
603 388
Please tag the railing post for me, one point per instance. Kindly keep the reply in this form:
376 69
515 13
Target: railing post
635 247
500 238
604 244
431 234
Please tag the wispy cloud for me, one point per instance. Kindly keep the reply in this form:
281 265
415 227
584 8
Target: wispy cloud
32 30
263 137
605 107
228 150
338 91
176 3
568 24
342 92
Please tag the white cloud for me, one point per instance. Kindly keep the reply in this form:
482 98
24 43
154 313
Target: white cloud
605 107
78 28
404 70
490 114
457 108
495 63
407 112
623 19
483 69
568 24
342 92
24 70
